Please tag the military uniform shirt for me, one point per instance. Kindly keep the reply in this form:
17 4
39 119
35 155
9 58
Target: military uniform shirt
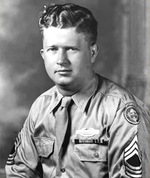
109 136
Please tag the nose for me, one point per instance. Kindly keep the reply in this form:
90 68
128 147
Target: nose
62 57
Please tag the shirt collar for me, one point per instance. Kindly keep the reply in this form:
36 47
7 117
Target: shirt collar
80 98
56 97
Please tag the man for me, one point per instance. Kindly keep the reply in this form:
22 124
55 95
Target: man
103 130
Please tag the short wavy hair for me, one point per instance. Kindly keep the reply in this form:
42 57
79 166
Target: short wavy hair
70 15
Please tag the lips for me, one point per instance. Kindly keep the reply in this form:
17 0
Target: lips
63 71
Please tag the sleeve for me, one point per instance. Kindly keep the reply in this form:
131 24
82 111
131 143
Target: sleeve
23 159
129 145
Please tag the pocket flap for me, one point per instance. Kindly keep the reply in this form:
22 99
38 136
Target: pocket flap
91 152
44 146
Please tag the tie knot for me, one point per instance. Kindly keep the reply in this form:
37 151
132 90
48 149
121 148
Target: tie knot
66 101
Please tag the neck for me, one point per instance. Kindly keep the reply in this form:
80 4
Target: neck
66 91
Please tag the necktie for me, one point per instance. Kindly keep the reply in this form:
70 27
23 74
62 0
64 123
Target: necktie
62 121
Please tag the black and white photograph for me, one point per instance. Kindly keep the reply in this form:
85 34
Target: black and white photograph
75 89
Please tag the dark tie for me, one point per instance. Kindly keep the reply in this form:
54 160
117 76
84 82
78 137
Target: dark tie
62 121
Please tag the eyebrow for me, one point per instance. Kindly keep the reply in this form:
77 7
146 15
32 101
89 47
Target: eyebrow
66 46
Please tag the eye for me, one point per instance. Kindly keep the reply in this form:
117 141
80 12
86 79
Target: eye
53 49
72 49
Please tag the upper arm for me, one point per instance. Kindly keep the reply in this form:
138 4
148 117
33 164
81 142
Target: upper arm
127 155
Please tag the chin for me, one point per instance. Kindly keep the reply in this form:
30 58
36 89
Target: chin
63 83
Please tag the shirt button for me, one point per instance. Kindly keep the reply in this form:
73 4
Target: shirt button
96 155
62 170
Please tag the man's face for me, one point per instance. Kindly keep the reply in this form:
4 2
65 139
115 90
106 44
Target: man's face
67 56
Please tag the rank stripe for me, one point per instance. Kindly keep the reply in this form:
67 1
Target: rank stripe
130 151
134 148
11 155
134 175
132 168
10 160
134 171
135 140
132 154
10 163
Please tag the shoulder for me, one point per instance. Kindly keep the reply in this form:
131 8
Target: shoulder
114 92
42 102
45 97
119 99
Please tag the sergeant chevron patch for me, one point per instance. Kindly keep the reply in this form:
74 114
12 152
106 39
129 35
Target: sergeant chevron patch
10 160
132 159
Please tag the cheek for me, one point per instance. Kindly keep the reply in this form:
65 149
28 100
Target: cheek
48 61
82 63
49 66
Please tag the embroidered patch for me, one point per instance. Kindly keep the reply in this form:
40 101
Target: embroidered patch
131 114
133 159
10 160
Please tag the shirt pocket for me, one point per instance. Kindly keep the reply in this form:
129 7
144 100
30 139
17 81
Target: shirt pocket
45 146
91 152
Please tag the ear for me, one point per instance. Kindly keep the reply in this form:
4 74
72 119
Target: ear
94 51
42 53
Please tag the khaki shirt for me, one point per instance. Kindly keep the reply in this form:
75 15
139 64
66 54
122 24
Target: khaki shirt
110 136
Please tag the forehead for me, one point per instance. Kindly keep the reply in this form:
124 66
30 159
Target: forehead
54 35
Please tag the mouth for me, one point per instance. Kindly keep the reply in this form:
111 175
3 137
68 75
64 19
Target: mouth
63 71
